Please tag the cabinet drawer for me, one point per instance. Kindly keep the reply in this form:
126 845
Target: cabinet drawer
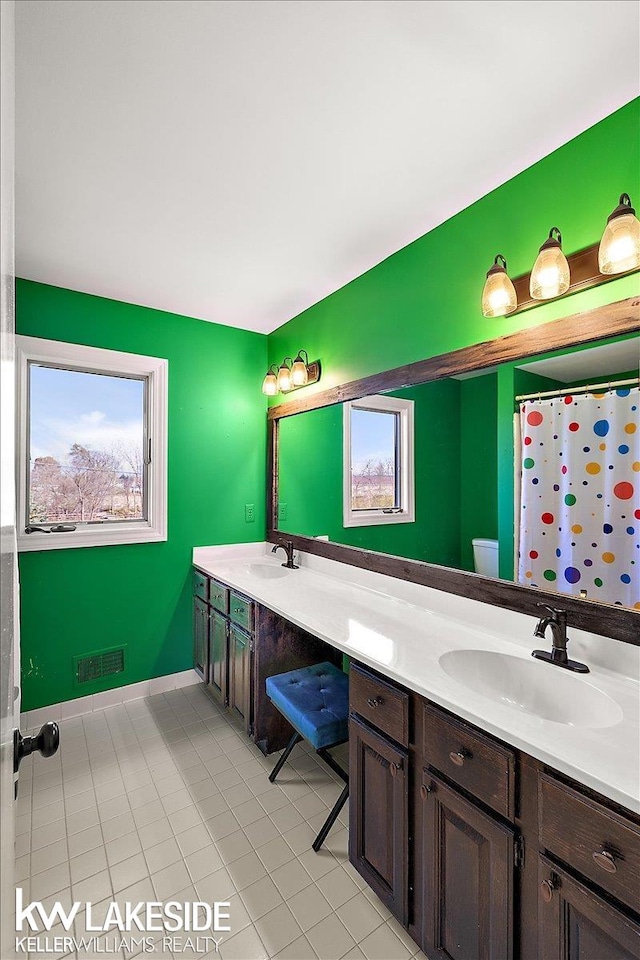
484 768
218 596
241 611
599 844
382 704
200 585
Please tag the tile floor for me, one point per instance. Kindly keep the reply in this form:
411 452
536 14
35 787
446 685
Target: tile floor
166 799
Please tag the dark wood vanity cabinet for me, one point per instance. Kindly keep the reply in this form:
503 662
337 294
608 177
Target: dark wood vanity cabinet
379 787
239 654
481 851
217 677
379 829
200 623
467 858
237 644
223 630
469 842
200 636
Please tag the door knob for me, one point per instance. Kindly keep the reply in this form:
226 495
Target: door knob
46 742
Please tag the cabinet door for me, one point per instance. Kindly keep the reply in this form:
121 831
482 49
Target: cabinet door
239 673
468 864
379 815
218 656
200 632
576 924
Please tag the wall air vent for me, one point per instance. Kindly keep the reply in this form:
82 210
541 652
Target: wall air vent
96 666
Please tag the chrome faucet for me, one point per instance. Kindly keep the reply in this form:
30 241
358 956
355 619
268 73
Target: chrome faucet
557 621
287 546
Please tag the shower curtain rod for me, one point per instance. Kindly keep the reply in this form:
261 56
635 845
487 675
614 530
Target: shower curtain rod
634 381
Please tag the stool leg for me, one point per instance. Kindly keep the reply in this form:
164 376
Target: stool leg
331 819
283 759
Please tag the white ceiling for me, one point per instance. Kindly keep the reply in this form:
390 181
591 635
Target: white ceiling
237 161
609 359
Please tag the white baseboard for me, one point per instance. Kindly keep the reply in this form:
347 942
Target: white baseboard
108 698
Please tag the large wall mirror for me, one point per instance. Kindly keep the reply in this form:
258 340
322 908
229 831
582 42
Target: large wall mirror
524 471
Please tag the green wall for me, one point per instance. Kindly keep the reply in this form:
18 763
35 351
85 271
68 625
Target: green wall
79 601
478 463
425 299
310 472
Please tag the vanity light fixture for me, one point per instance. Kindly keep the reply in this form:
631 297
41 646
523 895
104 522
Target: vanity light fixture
619 249
291 374
270 382
550 275
284 375
554 275
499 294
299 371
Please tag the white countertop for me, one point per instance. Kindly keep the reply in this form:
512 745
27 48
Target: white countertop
402 629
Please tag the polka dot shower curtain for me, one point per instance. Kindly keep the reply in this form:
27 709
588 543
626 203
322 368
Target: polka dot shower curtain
580 495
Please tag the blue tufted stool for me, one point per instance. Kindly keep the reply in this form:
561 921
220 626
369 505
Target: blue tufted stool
315 701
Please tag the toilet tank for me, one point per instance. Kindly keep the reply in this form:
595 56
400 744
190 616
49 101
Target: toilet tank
485 557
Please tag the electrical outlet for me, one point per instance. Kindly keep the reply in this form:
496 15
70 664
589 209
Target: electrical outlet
249 512
282 511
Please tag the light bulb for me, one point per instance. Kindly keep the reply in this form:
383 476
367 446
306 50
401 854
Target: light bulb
270 383
620 245
550 275
499 295
299 373
284 378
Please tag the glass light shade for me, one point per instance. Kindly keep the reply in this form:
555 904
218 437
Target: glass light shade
299 373
270 384
550 275
499 295
620 245
284 378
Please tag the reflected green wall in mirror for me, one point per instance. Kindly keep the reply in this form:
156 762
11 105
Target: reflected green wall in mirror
455 474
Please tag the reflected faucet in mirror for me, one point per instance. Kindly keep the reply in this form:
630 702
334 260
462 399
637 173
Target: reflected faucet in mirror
287 546
557 621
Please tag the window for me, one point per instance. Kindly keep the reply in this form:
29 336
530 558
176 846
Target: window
92 458
378 461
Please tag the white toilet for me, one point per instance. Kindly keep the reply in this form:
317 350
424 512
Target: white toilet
485 557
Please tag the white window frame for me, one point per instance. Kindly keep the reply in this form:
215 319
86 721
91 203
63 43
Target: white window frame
377 517
94 359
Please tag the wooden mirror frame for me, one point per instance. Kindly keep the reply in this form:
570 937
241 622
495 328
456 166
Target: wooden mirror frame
611 320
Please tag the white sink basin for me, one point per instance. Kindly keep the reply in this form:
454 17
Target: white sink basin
541 689
267 571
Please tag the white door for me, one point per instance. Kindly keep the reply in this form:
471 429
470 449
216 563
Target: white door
8 558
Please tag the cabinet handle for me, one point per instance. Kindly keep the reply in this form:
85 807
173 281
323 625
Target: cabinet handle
375 701
459 757
394 768
606 860
426 790
546 889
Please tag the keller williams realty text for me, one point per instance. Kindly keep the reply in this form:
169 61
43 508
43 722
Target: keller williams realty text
114 945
